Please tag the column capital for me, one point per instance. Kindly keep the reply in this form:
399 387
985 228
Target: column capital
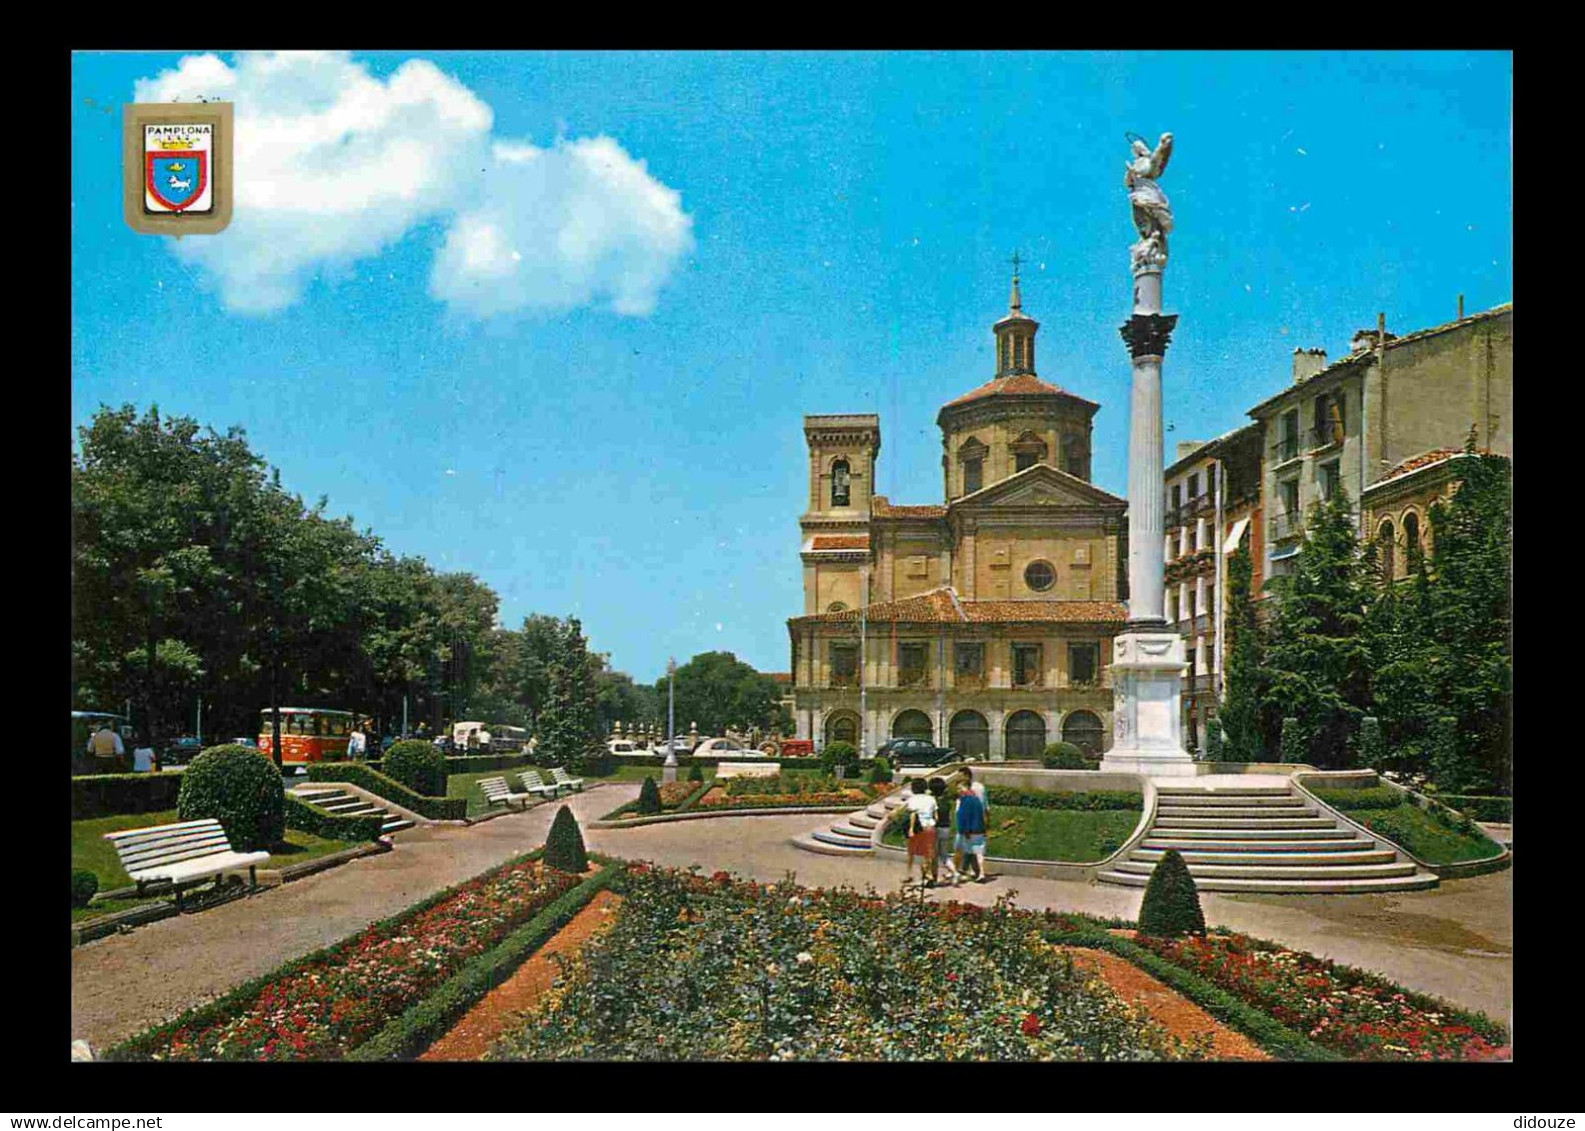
1147 335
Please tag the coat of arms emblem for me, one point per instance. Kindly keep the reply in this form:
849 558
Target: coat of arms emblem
176 168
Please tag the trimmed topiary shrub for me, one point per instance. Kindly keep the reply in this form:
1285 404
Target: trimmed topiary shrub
1172 903
1295 748
880 772
84 885
648 798
838 755
696 772
1372 747
1064 756
595 763
240 788
417 765
564 849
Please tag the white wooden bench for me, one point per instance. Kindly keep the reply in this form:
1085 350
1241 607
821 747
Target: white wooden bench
182 855
535 784
559 776
497 792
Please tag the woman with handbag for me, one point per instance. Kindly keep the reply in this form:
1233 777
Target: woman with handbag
921 808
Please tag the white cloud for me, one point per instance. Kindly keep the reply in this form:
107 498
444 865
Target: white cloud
334 166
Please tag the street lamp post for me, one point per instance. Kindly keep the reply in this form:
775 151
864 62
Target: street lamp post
669 773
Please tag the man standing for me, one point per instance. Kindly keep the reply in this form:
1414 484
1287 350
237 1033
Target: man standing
357 743
106 743
971 832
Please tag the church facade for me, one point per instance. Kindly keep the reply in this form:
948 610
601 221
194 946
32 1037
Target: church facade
985 622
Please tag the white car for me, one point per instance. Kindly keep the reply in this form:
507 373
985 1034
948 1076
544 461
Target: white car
622 746
724 748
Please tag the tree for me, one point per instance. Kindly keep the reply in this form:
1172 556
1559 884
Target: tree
717 690
1241 712
1171 905
568 725
1318 659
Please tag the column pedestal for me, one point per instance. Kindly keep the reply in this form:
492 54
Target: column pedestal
1147 726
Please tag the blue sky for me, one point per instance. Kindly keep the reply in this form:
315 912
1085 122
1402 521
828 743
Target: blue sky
554 319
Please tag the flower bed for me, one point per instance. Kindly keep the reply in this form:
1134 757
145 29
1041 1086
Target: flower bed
1357 1014
721 968
790 790
322 1006
675 797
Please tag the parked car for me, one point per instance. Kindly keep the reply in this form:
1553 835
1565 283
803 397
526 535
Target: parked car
724 748
245 742
185 748
914 752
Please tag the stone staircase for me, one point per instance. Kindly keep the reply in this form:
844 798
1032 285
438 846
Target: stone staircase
344 803
1264 838
850 836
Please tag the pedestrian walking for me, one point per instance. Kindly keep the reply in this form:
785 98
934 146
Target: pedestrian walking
943 847
970 841
921 831
357 743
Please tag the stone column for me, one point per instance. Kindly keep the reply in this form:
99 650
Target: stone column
1147 657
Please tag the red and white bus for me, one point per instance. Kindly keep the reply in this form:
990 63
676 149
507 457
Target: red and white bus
308 734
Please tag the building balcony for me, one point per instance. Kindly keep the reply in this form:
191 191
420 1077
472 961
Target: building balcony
1286 525
1285 449
966 681
843 682
1325 435
1198 505
913 680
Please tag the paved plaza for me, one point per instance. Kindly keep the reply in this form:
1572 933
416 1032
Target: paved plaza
1455 942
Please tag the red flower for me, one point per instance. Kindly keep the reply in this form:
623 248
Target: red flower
952 977
1031 1026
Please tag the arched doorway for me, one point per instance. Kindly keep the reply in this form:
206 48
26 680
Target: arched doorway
1385 539
1026 735
1083 729
842 726
969 735
913 724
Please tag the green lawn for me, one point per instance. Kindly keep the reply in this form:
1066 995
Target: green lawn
1421 834
467 785
1067 835
91 852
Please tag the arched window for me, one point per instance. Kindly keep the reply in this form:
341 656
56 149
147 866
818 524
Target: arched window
1384 539
1083 729
913 724
1411 539
842 727
836 607
839 483
1026 735
969 735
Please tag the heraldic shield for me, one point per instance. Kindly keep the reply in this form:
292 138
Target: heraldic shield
176 177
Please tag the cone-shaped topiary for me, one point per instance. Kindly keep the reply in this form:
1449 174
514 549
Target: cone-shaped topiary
240 788
648 798
84 885
1172 903
417 765
696 772
564 846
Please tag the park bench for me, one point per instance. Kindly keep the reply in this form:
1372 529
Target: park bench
181 855
559 776
535 784
497 792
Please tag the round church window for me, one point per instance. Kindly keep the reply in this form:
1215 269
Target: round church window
1039 576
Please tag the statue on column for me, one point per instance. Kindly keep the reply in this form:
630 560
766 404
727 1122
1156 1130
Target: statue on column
1152 213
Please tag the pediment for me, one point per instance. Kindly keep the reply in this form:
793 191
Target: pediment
1039 486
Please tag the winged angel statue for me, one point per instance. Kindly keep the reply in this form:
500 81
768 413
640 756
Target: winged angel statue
1152 213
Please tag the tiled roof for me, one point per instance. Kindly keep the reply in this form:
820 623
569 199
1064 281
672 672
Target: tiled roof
1416 462
1023 385
841 542
944 606
881 507
780 677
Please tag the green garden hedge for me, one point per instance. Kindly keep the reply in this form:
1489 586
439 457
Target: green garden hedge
1092 800
356 773
111 795
332 826
1498 810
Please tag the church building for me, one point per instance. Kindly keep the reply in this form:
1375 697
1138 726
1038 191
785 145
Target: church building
985 622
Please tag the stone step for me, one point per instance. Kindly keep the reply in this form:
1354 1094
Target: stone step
323 799
1317 822
396 824
833 845
878 811
852 833
1417 882
1340 845
863 820
311 791
1223 801
1267 812
1236 831
1279 871
893 802
366 811
343 806
1364 856
1223 791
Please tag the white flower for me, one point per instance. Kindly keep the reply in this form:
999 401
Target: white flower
805 956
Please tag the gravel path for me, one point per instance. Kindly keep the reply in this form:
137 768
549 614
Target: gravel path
124 983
